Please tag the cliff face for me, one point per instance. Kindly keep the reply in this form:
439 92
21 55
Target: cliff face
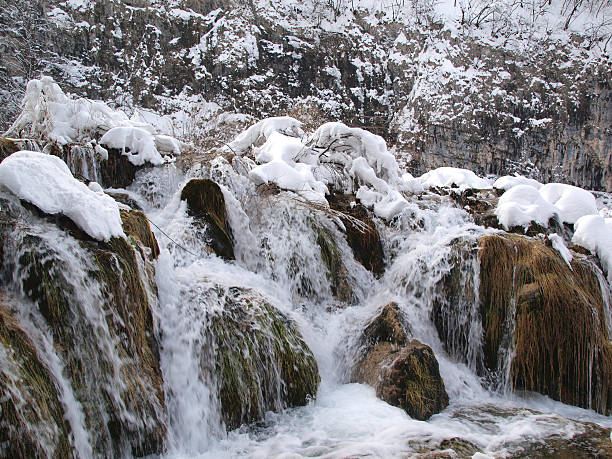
443 95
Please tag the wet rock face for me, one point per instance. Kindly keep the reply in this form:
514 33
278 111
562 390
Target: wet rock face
205 200
361 233
96 299
404 373
261 361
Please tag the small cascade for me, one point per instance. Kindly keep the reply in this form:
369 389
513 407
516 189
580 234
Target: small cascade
84 162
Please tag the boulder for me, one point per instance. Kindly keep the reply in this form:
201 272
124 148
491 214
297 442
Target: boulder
7 147
404 373
554 316
206 201
361 233
261 360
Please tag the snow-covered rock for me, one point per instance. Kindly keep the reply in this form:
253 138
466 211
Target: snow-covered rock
572 202
45 181
522 205
595 233
451 176
508 181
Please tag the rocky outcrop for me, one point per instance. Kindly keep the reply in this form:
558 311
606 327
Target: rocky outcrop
552 317
97 300
261 361
206 201
404 372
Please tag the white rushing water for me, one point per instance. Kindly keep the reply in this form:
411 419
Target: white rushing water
277 255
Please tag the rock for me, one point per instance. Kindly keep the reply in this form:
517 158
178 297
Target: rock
136 225
95 299
124 198
206 201
361 233
555 317
117 171
261 361
404 374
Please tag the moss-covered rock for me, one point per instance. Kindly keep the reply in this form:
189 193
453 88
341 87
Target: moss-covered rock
96 299
136 225
361 233
206 201
557 320
261 361
404 373
336 271
32 422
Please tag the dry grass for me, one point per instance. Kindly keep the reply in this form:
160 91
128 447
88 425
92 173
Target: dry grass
560 335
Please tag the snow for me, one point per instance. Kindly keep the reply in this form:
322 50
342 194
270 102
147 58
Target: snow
559 245
302 167
508 181
573 202
594 232
49 113
451 176
136 143
263 129
523 204
45 181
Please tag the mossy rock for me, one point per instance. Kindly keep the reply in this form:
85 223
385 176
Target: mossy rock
404 373
361 233
32 423
7 147
95 298
337 273
262 363
136 225
206 201
557 319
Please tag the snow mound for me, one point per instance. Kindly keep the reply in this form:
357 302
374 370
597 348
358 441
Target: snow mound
451 176
137 143
263 130
509 181
49 113
523 204
595 233
45 181
573 202
358 156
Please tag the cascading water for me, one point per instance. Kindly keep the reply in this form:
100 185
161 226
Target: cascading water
295 276
279 256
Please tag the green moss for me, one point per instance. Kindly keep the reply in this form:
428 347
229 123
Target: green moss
136 225
261 361
336 271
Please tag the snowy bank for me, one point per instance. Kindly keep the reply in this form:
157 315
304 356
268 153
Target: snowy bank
45 181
